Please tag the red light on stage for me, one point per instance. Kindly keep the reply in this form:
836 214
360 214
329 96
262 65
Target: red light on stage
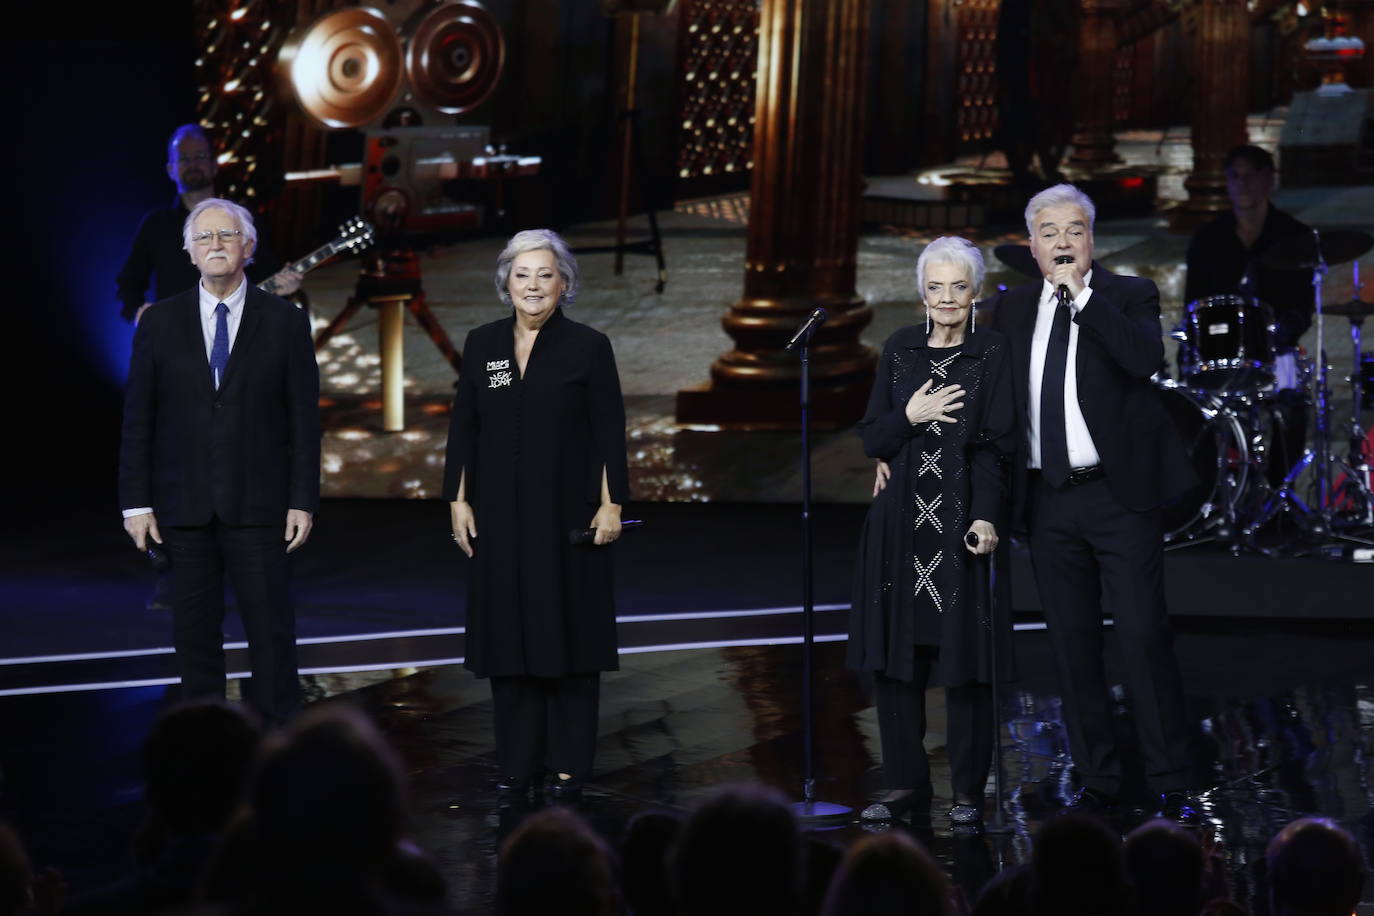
1131 182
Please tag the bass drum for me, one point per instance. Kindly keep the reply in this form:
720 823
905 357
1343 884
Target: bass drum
1217 448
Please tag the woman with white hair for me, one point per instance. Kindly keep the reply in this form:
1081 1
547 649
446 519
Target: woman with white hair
536 450
941 417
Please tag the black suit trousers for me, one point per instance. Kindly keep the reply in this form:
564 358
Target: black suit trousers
902 730
255 560
1090 553
546 724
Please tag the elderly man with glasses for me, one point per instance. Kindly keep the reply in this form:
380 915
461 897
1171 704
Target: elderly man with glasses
220 457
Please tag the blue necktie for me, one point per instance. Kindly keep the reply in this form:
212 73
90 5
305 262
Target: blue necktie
219 350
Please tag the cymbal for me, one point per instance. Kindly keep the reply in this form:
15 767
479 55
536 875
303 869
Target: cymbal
1355 308
1019 259
1300 253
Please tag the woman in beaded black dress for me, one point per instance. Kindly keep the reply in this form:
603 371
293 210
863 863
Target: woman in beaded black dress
940 420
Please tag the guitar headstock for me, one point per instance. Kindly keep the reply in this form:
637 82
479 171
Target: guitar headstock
355 234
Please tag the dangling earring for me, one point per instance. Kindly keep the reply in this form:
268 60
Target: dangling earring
971 309
927 321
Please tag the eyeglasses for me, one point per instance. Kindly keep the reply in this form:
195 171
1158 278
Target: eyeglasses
225 235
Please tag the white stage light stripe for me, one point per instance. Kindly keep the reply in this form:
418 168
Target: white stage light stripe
167 650
84 656
389 666
719 615
364 637
632 650
403 634
730 644
233 675
74 688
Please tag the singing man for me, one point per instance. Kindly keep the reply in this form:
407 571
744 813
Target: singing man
1100 457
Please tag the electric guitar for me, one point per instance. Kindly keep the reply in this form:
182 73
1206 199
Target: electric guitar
356 234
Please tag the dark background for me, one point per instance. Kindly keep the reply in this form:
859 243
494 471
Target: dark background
92 99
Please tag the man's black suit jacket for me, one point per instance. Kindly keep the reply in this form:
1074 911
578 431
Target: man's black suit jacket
246 452
1119 348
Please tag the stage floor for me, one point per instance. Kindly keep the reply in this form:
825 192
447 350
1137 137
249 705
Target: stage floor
380 586
1282 725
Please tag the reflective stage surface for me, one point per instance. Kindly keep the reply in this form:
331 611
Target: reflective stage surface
1283 725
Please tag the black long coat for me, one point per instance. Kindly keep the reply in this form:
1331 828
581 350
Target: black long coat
975 451
533 450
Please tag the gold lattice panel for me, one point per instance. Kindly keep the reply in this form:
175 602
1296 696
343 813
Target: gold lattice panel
977 69
719 54
236 102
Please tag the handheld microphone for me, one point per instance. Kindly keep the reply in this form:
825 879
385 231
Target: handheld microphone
971 539
1063 291
813 321
157 556
587 535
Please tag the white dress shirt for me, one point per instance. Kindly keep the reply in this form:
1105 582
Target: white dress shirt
1082 450
208 304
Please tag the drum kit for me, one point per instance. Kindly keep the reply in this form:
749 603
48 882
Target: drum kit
1232 401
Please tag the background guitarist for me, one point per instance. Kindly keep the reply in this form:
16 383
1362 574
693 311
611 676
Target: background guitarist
157 254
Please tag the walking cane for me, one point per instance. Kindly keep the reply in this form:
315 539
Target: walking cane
997 823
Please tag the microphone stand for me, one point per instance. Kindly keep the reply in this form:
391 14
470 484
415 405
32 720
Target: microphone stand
809 809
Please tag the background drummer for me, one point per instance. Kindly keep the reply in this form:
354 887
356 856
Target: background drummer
1226 256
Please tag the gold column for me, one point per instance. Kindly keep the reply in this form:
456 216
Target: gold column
1221 50
391 314
806 187
1094 143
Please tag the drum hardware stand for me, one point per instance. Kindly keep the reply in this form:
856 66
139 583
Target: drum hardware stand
1323 459
1357 465
1316 520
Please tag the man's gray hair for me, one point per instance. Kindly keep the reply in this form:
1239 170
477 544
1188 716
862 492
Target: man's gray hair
538 240
1058 196
239 214
952 249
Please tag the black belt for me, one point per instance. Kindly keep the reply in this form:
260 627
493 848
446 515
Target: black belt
1077 475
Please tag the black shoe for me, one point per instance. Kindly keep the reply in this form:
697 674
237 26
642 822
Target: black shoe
893 808
565 790
511 790
1181 808
1091 801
